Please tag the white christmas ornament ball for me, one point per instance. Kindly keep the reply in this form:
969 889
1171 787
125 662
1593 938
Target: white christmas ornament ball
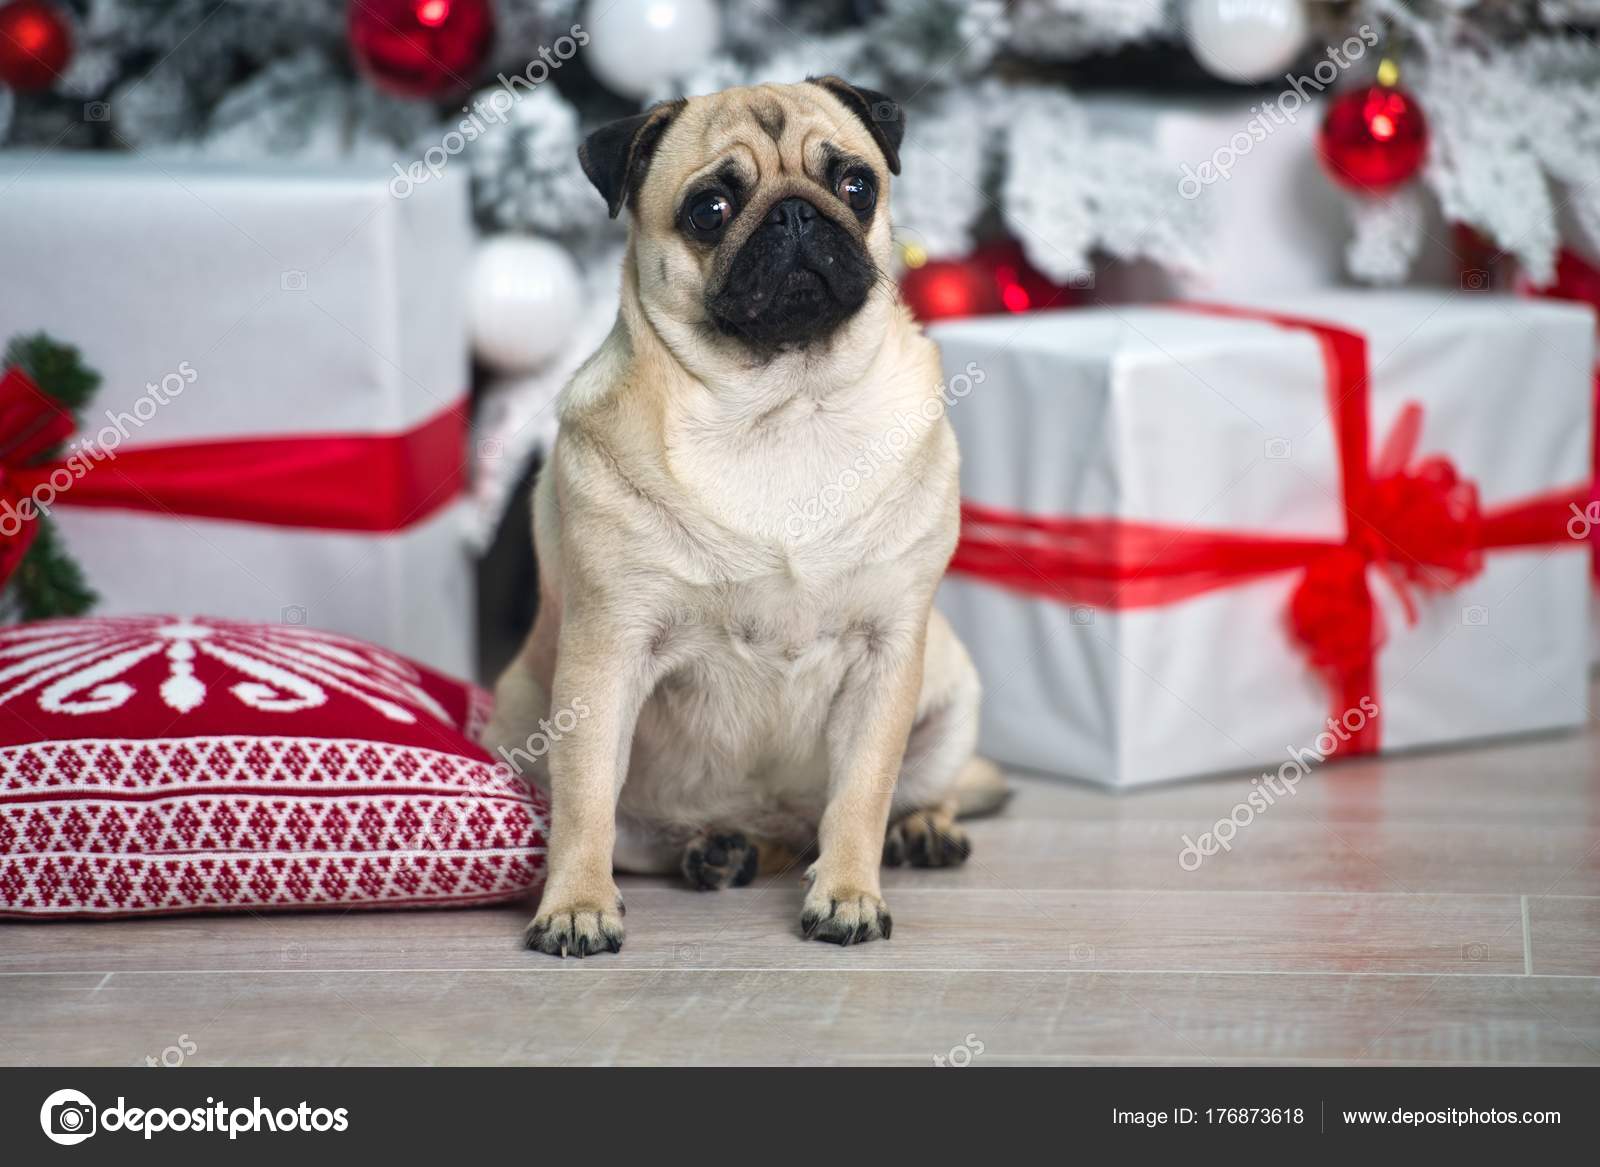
636 46
524 300
1246 40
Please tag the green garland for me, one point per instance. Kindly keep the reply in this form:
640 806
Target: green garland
48 582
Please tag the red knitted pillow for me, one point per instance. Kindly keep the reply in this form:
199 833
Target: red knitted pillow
153 764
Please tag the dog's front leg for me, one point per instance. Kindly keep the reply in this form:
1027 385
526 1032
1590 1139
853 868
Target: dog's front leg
867 732
580 911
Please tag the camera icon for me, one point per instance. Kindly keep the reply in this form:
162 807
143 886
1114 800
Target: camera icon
1475 279
1082 616
1475 952
72 1118
97 111
1079 953
1475 616
292 281
686 953
293 614
885 111
1277 449
1081 279
490 448
67 1117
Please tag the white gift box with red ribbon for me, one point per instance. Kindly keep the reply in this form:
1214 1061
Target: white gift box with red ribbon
1200 539
284 363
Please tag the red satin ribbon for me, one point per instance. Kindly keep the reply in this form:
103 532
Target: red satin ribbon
1417 522
1579 280
333 482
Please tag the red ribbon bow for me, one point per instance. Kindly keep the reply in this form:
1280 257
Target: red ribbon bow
335 482
1417 523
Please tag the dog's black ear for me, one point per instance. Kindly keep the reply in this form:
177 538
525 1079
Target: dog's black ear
879 112
617 155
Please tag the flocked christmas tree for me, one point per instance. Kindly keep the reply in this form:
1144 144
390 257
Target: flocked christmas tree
48 581
1511 89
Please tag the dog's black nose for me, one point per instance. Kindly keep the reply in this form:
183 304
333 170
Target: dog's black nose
795 214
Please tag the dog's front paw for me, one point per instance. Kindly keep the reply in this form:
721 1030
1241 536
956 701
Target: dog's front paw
576 928
926 838
841 914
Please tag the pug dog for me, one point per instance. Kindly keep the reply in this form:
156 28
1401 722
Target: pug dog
736 654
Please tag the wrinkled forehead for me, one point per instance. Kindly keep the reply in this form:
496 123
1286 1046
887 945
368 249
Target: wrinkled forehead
763 133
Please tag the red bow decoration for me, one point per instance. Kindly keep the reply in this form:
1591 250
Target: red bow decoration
336 482
1416 523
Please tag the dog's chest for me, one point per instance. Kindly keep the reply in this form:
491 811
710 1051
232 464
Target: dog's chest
780 628
752 669
807 476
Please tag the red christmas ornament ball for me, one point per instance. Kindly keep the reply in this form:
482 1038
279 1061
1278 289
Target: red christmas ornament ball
995 278
35 44
421 48
1374 139
944 289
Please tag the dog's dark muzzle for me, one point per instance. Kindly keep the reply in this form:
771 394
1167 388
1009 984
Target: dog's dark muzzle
798 277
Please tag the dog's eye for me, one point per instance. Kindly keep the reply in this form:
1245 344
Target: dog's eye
858 193
709 212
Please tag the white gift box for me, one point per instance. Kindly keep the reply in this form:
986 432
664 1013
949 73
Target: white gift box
278 302
1204 423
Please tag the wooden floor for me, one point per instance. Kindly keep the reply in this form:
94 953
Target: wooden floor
1437 909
